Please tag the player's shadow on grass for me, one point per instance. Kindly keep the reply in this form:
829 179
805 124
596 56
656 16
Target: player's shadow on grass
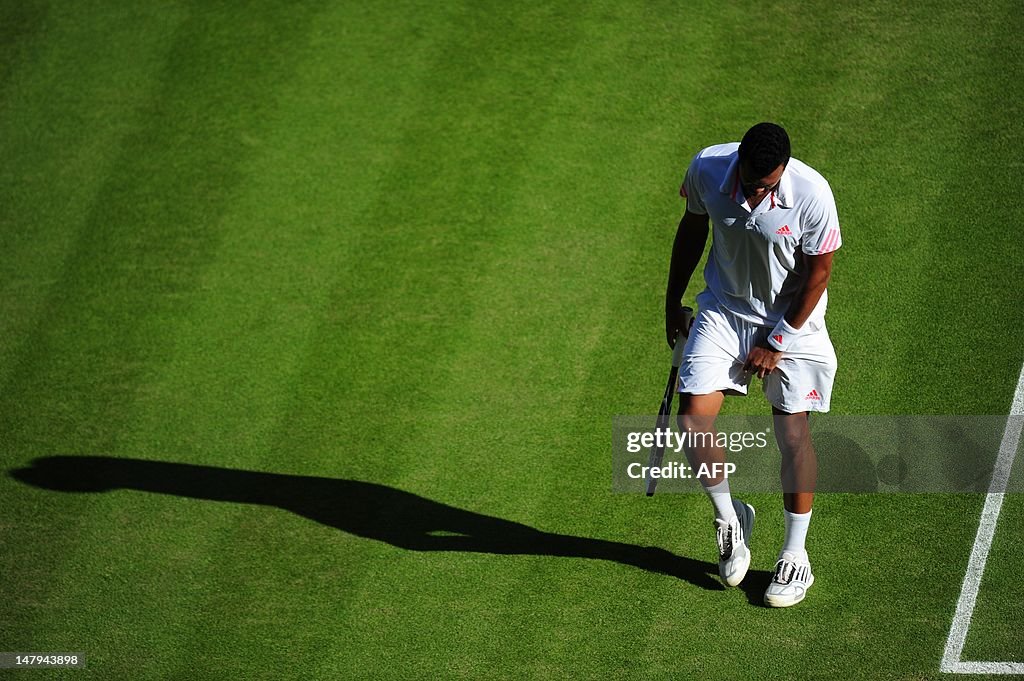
364 509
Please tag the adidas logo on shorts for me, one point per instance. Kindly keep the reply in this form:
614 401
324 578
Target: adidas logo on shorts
814 396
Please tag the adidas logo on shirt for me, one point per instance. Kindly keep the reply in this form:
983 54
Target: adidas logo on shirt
784 231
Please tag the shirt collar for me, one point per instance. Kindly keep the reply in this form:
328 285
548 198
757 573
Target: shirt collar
731 183
783 194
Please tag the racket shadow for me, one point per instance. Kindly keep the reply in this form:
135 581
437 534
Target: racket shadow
364 509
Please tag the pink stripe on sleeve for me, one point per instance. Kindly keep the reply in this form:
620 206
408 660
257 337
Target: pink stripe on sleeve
824 244
830 241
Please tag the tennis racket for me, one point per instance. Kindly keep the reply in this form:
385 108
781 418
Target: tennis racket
665 412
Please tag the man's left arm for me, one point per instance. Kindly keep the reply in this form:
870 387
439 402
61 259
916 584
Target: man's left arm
763 359
820 241
819 271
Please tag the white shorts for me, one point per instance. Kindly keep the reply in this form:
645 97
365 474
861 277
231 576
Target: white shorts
718 346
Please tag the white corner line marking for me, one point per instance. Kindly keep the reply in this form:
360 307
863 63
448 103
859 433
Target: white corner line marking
951 662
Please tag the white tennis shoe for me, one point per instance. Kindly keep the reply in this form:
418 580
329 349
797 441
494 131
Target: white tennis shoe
734 544
790 583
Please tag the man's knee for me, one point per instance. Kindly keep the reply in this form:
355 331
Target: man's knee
698 412
793 434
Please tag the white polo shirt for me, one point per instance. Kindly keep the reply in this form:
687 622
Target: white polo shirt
756 263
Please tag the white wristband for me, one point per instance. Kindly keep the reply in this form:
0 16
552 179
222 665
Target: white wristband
782 335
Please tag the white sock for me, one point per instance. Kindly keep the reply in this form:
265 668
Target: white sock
796 534
722 501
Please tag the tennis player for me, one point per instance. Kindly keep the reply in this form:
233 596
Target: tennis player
774 230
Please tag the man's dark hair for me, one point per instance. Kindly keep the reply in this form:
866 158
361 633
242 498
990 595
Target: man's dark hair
764 148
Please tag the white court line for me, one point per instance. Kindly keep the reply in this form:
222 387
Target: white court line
979 554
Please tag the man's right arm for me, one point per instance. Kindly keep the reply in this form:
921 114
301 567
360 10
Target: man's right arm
687 249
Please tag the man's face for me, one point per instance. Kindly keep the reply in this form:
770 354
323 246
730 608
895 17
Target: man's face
756 188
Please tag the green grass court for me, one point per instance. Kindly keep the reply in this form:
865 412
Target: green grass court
313 283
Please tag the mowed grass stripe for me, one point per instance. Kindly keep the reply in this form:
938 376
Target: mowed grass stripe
141 254
978 261
62 145
502 414
145 239
463 394
20 25
58 143
397 311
